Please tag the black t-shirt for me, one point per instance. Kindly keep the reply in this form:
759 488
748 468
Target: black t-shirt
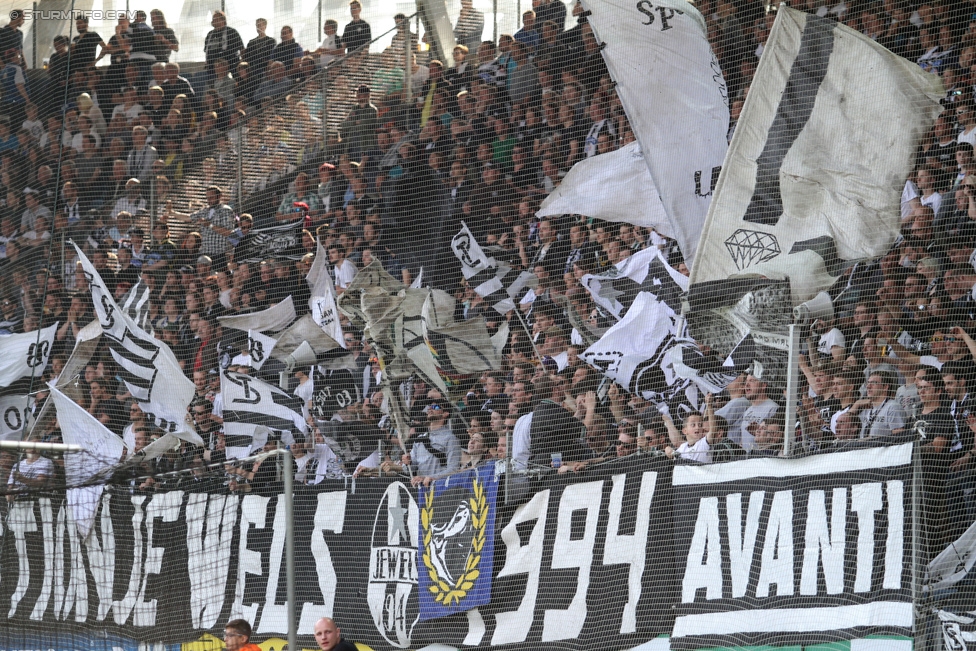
356 35
161 50
85 45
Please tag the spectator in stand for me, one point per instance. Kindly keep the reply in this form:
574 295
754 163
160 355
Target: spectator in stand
331 47
288 51
165 37
139 163
84 45
357 34
257 54
528 35
13 84
359 128
222 42
277 85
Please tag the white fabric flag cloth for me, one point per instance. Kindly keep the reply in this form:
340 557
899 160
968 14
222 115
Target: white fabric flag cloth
101 451
148 367
614 187
818 161
253 409
323 297
500 285
14 415
645 271
273 319
24 354
632 352
673 92
259 347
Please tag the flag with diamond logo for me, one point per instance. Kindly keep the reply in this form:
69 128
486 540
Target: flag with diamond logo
814 172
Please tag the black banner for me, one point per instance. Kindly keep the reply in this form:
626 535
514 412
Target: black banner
794 551
580 560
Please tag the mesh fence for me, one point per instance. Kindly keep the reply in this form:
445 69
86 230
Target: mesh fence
641 325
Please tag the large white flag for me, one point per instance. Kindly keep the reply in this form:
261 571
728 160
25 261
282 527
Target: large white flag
675 98
323 297
147 366
254 409
101 450
273 319
614 187
23 355
815 170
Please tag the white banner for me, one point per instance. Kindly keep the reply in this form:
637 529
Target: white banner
14 416
25 354
101 451
673 92
820 155
148 367
323 297
253 409
614 187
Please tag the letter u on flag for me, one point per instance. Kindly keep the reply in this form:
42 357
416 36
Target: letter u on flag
672 89
814 173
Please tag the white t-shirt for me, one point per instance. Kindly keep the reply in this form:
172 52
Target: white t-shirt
42 467
830 339
522 441
753 414
700 451
344 274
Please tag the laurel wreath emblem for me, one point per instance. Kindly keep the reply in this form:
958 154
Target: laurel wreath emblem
445 593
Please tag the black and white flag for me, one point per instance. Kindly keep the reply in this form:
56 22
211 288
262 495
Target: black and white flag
328 390
785 552
499 284
633 353
23 356
255 411
259 347
15 413
322 302
148 367
282 241
135 303
645 271
813 176
675 97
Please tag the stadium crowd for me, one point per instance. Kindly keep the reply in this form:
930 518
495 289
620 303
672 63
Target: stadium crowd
123 159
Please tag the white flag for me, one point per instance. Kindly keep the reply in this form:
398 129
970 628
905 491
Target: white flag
815 170
148 367
632 352
101 450
253 409
259 347
273 319
25 355
614 187
645 271
323 297
499 284
673 92
14 416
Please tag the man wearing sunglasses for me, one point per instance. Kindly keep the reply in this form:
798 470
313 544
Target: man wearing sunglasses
436 453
